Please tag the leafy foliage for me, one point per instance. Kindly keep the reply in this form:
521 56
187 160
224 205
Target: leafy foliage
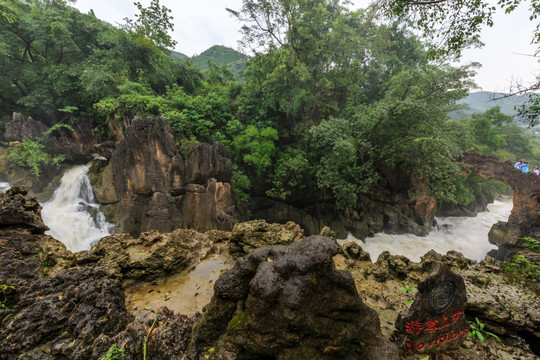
31 154
331 102
477 331
6 12
472 187
409 289
452 25
520 268
531 243
153 22
114 353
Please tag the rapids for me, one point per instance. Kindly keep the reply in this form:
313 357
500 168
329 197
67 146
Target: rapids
467 235
4 186
72 214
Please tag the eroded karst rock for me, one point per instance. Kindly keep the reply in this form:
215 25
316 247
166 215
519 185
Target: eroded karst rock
435 322
22 127
77 142
255 234
152 254
508 308
149 185
526 187
18 211
60 305
289 303
524 219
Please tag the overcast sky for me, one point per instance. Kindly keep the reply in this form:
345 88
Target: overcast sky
199 24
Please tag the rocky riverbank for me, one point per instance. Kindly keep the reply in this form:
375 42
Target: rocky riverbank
299 297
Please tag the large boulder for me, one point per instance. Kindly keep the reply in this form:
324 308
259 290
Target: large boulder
289 303
18 211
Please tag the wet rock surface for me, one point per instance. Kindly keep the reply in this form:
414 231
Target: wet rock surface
280 302
18 211
21 127
524 219
508 309
435 322
255 234
60 305
378 212
78 142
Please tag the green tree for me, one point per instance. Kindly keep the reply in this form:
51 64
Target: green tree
153 22
309 70
487 126
257 147
405 128
6 12
452 25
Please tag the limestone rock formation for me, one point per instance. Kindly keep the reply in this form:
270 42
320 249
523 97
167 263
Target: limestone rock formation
524 219
255 234
18 211
526 187
277 302
22 127
378 212
77 144
149 185
152 254
508 308
289 303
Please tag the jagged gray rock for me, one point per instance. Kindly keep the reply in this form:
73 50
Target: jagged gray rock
289 303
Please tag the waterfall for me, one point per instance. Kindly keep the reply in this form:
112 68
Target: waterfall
467 235
4 186
72 214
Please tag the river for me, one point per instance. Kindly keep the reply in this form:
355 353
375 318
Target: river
467 235
75 219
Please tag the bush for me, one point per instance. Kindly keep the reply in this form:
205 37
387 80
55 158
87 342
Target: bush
114 353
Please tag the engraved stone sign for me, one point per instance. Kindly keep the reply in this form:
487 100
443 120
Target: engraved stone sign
436 320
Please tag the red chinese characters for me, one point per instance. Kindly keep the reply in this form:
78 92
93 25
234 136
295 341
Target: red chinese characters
433 325
413 327
438 340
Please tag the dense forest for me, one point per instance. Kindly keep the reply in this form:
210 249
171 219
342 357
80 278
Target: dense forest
330 99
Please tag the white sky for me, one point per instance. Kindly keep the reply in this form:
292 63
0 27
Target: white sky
199 24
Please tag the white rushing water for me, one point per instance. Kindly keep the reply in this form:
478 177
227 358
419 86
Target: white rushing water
467 235
4 186
72 214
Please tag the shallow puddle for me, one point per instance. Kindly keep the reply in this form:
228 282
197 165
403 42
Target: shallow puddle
184 293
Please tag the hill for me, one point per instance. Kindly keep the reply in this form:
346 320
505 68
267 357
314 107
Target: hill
480 101
221 55
178 55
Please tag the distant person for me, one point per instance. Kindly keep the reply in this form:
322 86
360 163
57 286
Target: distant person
536 171
518 164
525 167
